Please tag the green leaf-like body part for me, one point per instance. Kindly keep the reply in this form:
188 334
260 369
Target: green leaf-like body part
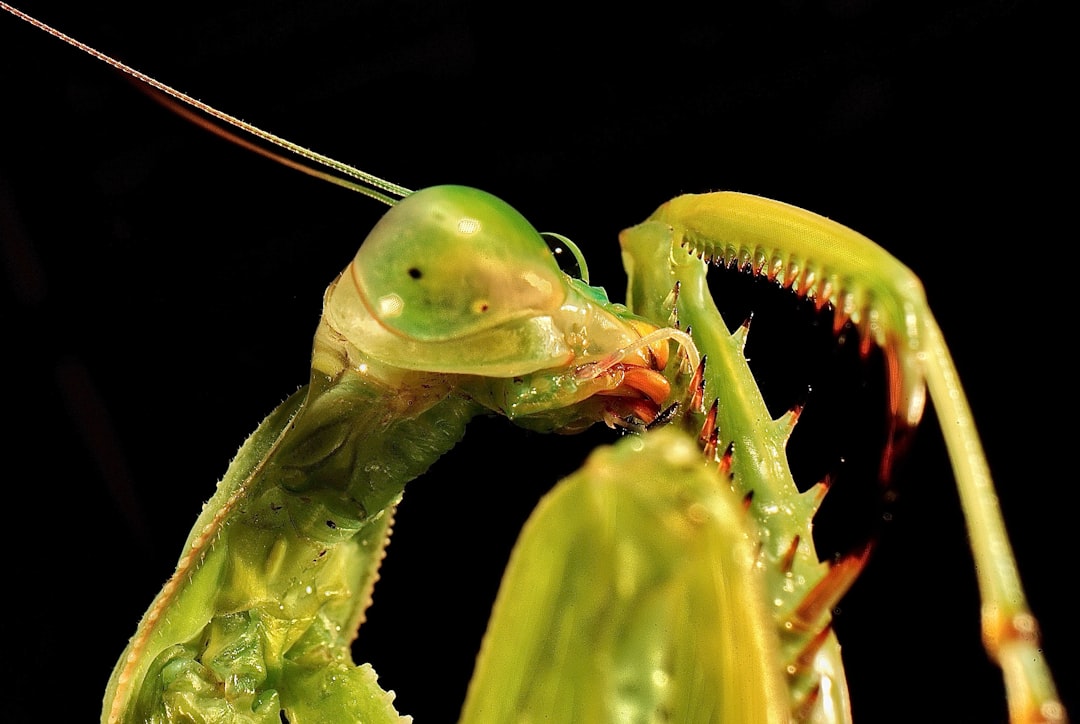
632 596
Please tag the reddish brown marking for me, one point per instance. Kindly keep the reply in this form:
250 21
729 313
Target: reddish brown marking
823 295
795 413
725 464
899 431
712 444
823 486
840 318
806 656
829 589
802 710
789 555
697 387
866 339
709 425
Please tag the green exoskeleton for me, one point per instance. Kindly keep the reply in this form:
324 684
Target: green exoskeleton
673 578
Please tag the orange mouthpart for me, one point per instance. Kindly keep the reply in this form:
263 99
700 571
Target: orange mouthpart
641 388
634 384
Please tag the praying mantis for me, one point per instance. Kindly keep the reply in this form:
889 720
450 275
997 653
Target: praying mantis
599 213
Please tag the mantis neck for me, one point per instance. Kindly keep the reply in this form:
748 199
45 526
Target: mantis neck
307 503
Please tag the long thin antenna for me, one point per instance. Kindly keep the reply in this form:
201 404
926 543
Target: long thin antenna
375 185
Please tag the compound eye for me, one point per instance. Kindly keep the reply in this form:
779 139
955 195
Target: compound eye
450 261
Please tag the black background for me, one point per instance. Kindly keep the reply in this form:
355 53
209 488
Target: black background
164 286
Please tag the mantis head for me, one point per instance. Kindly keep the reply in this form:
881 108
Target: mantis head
452 280
448 262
